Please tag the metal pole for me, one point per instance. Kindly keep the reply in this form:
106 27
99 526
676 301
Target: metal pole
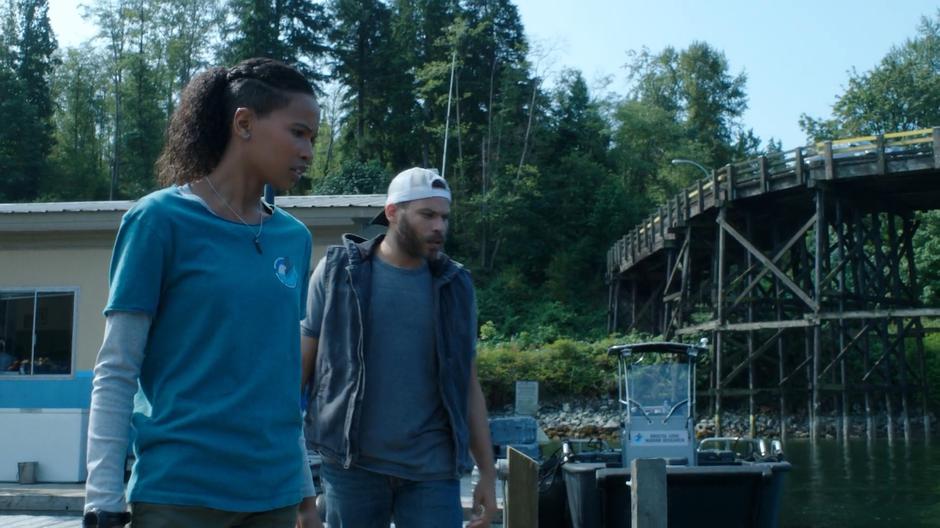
450 90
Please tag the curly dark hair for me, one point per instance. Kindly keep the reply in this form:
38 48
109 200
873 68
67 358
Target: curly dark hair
200 127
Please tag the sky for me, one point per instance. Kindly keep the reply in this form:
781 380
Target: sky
797 54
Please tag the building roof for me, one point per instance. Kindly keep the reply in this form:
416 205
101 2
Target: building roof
335 210
287 202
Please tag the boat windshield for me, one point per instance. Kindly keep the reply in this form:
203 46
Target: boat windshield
660 388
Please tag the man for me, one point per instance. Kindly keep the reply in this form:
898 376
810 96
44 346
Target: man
389 341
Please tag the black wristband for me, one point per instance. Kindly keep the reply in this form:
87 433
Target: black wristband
105 519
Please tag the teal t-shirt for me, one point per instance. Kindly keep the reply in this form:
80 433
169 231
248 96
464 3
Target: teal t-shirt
216 417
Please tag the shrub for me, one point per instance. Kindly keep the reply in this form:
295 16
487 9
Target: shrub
564 368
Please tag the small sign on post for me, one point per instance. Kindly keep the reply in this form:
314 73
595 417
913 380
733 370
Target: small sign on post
527 398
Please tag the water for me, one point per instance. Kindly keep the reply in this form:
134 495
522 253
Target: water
862 484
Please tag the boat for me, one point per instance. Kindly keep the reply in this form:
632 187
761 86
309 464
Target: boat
722 481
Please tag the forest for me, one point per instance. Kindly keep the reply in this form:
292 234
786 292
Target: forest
547 169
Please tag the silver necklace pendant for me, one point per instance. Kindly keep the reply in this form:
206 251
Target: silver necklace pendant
257 237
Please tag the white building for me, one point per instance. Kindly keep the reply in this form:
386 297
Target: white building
54 260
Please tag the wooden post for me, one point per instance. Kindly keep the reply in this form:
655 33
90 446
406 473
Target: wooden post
616 314
925 387
781 366
701 196
716 190
522 494
751 406
840 233
881 163
861 284
633 314
798 165
648 500
687 277
719 316
935 135
762 164
821 259
661 214
827 156
732 183
894 261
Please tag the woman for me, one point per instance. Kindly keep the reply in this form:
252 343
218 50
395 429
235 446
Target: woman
203 317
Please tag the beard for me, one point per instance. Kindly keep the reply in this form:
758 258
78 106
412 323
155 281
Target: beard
412 244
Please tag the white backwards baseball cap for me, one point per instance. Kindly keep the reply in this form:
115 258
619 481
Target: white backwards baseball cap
414 184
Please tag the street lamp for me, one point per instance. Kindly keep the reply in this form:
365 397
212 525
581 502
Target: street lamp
708 173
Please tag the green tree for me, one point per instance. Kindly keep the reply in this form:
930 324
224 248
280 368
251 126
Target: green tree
37 45
695 87
362 56
141 138
292 31
26 63
419 37
79 168
645 138
19 152
112 18
901 93
187 28
492 94
354 177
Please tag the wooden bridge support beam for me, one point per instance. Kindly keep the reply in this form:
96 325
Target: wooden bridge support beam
751 407
845 281
840 228
719 316
821 256
781 357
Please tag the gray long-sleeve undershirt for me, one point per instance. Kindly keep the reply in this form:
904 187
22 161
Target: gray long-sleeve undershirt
112 402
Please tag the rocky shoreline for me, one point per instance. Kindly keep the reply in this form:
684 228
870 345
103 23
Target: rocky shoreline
601 419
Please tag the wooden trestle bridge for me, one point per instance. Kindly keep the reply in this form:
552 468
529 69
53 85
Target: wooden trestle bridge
799 267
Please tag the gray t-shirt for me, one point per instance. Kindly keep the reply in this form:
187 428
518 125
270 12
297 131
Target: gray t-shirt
404 430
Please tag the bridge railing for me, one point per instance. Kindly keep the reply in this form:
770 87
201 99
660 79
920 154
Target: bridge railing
770 173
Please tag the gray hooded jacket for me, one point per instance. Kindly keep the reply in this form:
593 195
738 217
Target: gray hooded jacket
332 424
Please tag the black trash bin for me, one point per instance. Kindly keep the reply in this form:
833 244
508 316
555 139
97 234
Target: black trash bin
584 497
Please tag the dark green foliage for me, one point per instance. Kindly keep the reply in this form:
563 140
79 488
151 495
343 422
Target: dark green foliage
354 177
36 50
291 31
694 88
187 28
563 367
927 256
20 150
81 171
901 93
932 349
141 135
363 62
26 61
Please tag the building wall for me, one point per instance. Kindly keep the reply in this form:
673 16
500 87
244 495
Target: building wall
79 261
76 261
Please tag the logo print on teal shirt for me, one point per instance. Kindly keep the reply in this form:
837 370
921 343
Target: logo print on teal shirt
285 272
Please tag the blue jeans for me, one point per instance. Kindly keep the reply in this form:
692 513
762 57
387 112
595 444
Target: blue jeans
356 498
